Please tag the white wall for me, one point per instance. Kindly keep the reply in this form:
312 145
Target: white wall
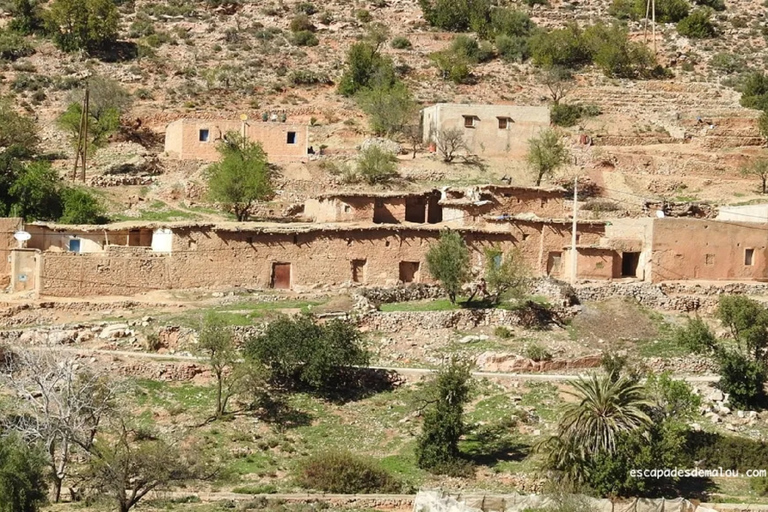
162 240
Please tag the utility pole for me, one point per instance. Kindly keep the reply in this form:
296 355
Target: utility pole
650 11
573 230
82 137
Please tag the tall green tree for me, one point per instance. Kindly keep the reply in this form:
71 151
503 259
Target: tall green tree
448 262
81 207
507 275
83 24
437 448
389 107
23 486
546 153
36 193
242 176
366 67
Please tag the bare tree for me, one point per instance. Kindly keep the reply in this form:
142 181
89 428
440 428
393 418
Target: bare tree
559 81
759 169
449 141
126 467
61 404
414 136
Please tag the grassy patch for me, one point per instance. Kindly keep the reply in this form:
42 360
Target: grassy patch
422 305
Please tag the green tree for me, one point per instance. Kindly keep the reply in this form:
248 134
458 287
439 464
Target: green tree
546 153
671 398
698 24
448 262
242 177
99 129
754 91
27 17
603 408
564 47
743 379
366 67
83 24
377 165
437 448
17 129
36 193
758 168
616 55
301 352
81 207
457 15
747 320
696 336
13 45
507 276
217 344
23 486
390 108
453 66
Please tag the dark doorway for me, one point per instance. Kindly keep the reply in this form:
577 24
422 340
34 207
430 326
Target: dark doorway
415 209
629 263
281 276
409 271
358 271
435 211
382 214
554 263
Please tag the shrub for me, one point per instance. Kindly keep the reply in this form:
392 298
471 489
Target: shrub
376 165
389 108
81 207
759 485
364 64
457 15
698 25
562 47
613 364
503 332
301 23
537 353
301 352
14 46
667 11
717 5
616 55
452 66
83 24
363 16
344 473
696 336
448 261
306 8
401 43
470 48
565 114
728 452
22 475
623 9
305 38
509 22
743 379
754 91
727 62
531 3
306 77
513 48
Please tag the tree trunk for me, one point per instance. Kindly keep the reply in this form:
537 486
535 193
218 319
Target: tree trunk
219 404
452 297
765 178
57 482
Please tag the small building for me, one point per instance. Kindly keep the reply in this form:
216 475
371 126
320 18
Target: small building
746 213
489 130
197 139
477 205
376 207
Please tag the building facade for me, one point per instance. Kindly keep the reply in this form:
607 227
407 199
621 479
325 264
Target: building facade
489 130
196 139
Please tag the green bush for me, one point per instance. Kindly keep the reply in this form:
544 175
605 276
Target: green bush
301 23
727 62
457 15
301 352
503 332
537 353
83 24
667 11
513 48
623 9
565 114
509 22
717 5
743 379
390 108
305 38
377 166
306 77
364 65
759 485
81 207
726 451
754 91
696 336
564 47
697 25
470 48
531 3
23 486
14 46
306 8
363 16
452 66
344 473
401 43
616 55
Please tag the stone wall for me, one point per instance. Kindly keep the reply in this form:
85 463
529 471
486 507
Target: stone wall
8 226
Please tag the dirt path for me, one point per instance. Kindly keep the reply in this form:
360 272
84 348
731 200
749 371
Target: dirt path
543 377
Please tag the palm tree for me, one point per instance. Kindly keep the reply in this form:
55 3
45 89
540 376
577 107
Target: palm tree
604 409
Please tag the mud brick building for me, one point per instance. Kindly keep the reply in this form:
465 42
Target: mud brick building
196 139
489 130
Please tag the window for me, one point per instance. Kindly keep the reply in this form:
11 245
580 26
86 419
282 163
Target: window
204 135
347 208
749 255
497 260
74 245
709 259
291 139
504 122
469 121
